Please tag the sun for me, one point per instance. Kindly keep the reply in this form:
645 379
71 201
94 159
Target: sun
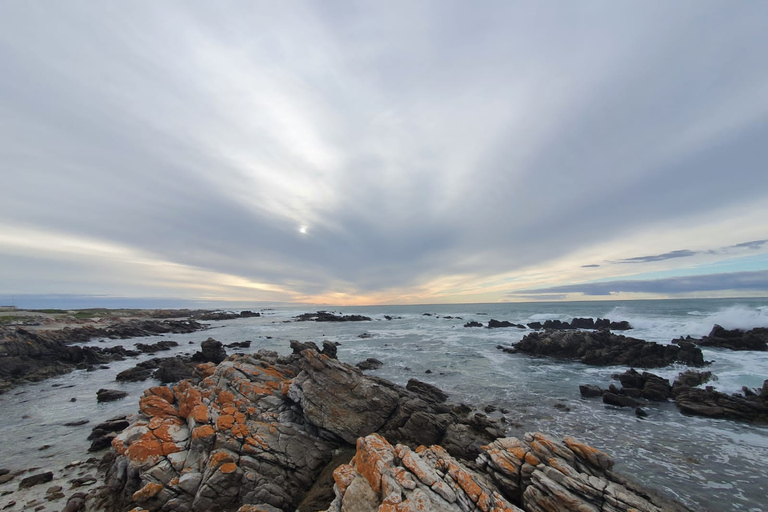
303 229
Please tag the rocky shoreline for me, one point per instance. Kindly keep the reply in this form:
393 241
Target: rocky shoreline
265 432
307 432
28 355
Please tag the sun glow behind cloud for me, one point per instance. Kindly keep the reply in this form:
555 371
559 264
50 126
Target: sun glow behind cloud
391 153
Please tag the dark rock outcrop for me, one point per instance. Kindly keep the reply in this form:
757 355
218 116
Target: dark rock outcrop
211 351
752 408
110 395
40 478
645 385
325 316
427 391
601 348
473 324
495 324
28 356
736 339
370 364
581 323
151 348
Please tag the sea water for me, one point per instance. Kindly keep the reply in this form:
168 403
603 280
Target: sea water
707 464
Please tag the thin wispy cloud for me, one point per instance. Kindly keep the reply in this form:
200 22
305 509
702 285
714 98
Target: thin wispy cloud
732 281
359 152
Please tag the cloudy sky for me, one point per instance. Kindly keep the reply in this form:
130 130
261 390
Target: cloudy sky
384 152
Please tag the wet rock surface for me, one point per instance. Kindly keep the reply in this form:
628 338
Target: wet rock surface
750 407
603 348
736 339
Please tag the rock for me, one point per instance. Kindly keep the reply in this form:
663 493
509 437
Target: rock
736 339
110 395
135 374
365 336
590 390
325 316
691 379
603 348
473 324
714 404
370 364
382 477
156 347
212 351
329 349
261 428
538 474
494 324
239 344
426 391
646 385
619 400
583 323
249 314
75 503
40 478
110 426
27 356
640 413
7 477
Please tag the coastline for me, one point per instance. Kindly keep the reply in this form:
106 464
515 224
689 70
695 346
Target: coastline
272 326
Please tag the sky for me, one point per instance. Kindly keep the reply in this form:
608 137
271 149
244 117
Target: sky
384 152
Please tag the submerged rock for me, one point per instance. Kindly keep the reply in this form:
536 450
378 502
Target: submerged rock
603 348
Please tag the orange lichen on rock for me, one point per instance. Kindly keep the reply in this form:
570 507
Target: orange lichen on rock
205 370
343 476
373 454
163 392
154 405
228 467
225 398
468 485
148 491
203 431
531 459
219 458
225 422
501 460
589 453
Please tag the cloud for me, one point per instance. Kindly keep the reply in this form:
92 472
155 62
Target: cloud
755 244
590 266
732 281
683 253
415 143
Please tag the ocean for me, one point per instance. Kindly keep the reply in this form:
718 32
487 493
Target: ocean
707 464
